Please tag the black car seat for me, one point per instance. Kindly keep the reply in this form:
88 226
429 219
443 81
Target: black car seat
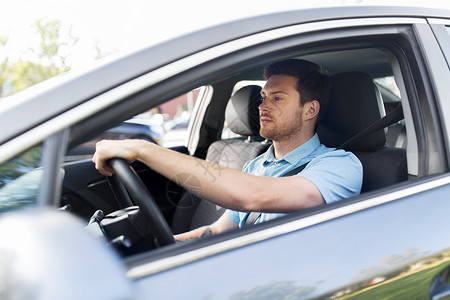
355 104
242 118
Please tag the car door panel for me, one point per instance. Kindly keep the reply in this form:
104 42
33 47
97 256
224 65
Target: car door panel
376 251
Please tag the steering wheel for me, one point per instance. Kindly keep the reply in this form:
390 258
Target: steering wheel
142 197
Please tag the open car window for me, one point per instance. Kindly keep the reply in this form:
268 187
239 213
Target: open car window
165 124
384 66
379 64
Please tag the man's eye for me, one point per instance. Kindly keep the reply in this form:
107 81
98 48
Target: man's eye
263 99
277 98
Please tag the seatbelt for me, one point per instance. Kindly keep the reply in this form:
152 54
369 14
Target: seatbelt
391 118
251 217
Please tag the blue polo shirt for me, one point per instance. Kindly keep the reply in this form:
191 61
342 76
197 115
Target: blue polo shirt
337 174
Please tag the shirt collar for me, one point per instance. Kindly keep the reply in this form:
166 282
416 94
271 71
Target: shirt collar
297 154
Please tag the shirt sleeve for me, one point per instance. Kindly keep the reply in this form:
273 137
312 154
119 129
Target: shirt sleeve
233 215
336 174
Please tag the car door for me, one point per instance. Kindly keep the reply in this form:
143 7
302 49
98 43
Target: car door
390 242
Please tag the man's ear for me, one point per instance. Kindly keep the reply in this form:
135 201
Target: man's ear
311 109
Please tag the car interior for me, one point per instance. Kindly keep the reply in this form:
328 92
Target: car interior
365 116
369 114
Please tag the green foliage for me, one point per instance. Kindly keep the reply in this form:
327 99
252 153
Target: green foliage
46 61
413 286
22 74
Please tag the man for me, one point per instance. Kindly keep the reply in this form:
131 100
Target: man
294 99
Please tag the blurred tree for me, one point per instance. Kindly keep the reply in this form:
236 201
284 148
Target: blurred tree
42 62
3 65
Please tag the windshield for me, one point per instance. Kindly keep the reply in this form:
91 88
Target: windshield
20 180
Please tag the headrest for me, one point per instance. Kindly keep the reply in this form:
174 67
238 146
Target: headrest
242 113
355 104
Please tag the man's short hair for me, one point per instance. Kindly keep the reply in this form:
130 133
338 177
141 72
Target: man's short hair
312 81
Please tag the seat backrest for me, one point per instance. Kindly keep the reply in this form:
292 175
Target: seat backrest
242 118
355 104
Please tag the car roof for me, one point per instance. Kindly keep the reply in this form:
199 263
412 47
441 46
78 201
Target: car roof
78 87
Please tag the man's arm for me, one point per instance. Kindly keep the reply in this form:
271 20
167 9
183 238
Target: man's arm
221 225
223 186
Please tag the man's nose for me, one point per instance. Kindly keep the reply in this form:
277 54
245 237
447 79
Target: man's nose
263 107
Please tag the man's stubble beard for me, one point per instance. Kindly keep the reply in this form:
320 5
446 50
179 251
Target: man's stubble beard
282 134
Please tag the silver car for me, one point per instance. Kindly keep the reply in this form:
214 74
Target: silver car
66 232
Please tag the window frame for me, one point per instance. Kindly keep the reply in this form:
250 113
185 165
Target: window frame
410 60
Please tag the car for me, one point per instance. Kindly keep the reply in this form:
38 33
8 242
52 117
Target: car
68 232
176 132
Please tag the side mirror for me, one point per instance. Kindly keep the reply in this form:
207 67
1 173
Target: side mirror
46 254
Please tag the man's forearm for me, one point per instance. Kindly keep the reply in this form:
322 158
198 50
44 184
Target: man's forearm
224 186
231 188
199 233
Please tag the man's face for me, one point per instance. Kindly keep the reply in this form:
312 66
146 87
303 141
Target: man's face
280 111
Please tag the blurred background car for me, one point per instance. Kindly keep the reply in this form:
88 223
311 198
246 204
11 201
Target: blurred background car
135 128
